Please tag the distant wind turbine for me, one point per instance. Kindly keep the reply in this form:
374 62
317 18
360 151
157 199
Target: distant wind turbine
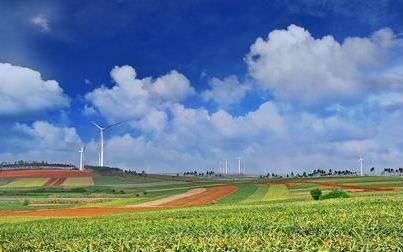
360 160
101 131
81 151
239 166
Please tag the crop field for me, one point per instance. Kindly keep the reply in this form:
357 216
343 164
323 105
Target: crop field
26 182
78 182
237 216
365 224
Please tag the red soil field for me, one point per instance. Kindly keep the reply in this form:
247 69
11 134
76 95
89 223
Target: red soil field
51 173
209 196
347 186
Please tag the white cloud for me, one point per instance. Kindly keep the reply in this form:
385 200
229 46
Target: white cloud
141 100
24 92
40 140
226 92
172 87
297 67
42 22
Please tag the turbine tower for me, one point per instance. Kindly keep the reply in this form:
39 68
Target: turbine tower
220 166
81 151
239 166
226 166
360 160
101 132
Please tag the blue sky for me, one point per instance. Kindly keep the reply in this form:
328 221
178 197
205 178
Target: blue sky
286 85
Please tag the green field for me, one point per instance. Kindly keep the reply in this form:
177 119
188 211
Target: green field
257 217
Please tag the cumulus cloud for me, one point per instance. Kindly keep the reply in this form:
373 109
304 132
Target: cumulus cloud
40 140
225 92
299 68
23 92
42 22
133 98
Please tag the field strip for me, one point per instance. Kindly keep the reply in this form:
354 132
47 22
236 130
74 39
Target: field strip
322 183
277 191
59 181
78 182
208 196
44 173
169 199
50 182
258 195
26 182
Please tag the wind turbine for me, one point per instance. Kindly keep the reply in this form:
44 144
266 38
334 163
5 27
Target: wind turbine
360 160
101 131
239 166
81 151
226 166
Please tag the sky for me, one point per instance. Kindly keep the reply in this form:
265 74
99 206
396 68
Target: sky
283 85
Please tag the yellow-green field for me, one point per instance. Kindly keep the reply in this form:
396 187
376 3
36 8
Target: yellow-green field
26 182
78 182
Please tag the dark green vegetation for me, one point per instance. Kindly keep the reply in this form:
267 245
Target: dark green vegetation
334 194
316 193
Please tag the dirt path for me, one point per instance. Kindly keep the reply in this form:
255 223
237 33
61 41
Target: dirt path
167 200
50 182
59 181
207 196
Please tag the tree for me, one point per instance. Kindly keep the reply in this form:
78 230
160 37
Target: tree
316 193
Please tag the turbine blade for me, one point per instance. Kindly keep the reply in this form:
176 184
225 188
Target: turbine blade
115 124
96 125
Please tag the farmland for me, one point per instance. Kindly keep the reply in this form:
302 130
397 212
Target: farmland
128 213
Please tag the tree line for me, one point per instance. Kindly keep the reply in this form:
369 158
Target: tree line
30 165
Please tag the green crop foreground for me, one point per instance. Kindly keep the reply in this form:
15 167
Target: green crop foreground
360 224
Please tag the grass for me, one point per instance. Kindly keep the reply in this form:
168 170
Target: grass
26 182
78 182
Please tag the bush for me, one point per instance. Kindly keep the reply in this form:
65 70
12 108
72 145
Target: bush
316 193
25 203
334 194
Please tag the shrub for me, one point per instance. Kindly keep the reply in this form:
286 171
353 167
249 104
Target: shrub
334 194
316 194
25 203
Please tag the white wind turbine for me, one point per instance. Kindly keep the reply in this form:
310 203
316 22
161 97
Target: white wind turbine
360 160
101 131
81 151
239 165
